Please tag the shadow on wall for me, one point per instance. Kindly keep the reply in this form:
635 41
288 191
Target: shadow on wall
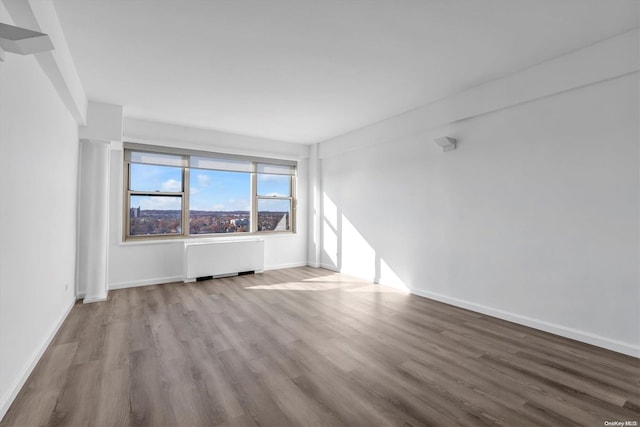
345 249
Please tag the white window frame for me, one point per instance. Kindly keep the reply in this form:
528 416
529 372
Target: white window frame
186 156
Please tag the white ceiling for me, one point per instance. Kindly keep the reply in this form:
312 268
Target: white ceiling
308 70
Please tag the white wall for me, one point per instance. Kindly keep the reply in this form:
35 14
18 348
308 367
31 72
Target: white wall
534 218
38 172
103 129
135 263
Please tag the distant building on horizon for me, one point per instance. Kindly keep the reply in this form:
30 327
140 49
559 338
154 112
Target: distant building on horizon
134 212
240 222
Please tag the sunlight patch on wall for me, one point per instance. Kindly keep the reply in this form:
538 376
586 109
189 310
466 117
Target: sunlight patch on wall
330 211
314 217
330 244
330 230
358 257
389 278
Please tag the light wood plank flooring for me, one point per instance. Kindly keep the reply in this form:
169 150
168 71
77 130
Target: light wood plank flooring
309 347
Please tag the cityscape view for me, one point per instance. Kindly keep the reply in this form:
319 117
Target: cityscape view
219 201
158 222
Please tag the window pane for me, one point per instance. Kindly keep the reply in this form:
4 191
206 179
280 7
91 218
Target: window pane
274 215
220 202
274 185
149 215
155 178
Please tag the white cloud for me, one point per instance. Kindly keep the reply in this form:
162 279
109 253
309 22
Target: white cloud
203 180
194 190
171 185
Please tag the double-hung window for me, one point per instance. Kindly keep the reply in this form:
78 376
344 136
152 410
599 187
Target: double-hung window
156 194
177 193
274 196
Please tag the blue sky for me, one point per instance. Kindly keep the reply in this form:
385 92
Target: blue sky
210 190
220 191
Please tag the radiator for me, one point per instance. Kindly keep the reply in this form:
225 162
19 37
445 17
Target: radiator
222 258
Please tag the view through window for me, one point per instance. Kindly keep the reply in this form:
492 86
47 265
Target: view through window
198 195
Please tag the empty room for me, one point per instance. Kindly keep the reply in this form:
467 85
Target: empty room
320 213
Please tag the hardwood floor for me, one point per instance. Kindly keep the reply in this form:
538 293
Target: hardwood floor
309 347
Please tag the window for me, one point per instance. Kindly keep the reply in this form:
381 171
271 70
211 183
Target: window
274 197
220 202
201 194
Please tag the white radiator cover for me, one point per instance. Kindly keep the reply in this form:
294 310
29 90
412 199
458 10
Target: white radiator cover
203 259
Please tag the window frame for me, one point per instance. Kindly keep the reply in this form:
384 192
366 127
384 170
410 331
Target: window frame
151 193
185 193
290 198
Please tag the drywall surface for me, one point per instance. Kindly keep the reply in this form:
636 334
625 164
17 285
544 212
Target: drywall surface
104 122
93 220
607 59
533 218
138 264
38 172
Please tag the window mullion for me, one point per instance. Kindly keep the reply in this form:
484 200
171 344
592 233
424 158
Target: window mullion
293 204
253 215
186 202
127 202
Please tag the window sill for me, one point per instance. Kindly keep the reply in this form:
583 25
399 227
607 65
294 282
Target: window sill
203 239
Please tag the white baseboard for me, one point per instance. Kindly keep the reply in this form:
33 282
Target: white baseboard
145 282
94 299
575 334
281 266
17 385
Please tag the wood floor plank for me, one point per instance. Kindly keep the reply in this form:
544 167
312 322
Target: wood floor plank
150 403
298 408
213 384
112 404
310 347
79 397
256 401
